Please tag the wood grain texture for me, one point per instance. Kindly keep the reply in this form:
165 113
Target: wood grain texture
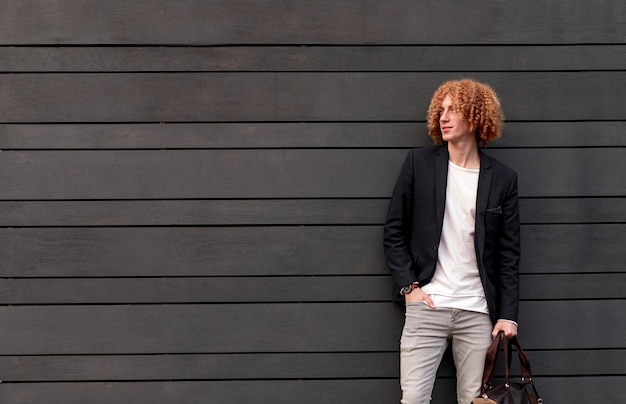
302 135
219 22
312 58
260 212
283 289
271 251
192 328
271 97
286 366
195 212
214 392
184 367
274 328
232 174
375 391
192 251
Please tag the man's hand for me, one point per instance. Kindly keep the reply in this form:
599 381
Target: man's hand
509 328
418 295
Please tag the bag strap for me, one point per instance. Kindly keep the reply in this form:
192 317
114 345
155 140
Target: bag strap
526 375
523 360
490 364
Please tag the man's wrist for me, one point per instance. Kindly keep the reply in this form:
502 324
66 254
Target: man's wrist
509 321
409 288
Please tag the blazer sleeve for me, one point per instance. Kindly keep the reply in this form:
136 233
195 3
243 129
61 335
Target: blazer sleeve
397 229
508 256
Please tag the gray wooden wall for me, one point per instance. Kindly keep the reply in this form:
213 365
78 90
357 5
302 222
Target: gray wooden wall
192 192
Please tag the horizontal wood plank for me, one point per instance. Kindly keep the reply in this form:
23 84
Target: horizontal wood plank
195 212
312 58
573 170
296 97
572 210
286 366
232 174
260 135
372 391
128 290
268 328
595 285
191 328
218 22
271 251
254 366
236 251
375 391
196 290
273 212
196 173
567 248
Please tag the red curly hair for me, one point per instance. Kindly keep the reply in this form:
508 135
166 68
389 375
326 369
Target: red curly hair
477 103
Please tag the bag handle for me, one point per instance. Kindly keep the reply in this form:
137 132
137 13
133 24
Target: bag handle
524 366
490 362
492 355
523 359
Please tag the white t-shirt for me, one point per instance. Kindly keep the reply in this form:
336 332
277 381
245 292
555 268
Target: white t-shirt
456 282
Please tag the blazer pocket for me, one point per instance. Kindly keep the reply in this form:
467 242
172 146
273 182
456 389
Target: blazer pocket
497 210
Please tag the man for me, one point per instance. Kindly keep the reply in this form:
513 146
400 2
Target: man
452 243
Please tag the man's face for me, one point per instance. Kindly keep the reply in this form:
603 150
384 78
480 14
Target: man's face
452 125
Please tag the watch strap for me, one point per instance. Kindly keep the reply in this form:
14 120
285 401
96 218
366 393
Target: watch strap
409 288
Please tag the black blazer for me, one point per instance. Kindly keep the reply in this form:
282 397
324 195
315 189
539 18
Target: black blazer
415 218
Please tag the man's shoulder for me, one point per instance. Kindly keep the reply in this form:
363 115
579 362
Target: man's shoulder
427 152
497 164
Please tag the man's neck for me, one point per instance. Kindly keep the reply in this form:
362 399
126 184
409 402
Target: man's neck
464 154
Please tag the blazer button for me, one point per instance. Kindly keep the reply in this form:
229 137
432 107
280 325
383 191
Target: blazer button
436 246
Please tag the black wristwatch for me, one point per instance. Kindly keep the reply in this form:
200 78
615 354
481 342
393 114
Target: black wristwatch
409 288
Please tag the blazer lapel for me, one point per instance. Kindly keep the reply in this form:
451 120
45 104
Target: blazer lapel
482 199
441 181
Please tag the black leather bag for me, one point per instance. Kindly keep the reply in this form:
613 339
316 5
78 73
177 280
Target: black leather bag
523 392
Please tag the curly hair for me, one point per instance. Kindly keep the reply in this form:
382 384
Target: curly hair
478 105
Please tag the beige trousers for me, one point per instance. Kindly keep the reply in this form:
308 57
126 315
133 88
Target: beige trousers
425 337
